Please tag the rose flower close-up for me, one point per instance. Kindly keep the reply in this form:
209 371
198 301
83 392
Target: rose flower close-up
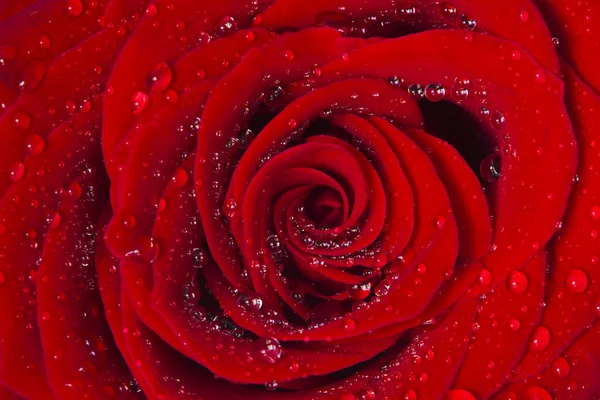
299 200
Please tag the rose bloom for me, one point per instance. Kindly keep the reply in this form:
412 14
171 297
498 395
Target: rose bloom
299 199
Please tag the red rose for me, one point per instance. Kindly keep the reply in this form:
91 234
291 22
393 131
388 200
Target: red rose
332 199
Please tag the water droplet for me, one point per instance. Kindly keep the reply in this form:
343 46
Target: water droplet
21 120
540 340
151 11
31 76
45 316
447 10
556 41
459 394
288 55
514 324
490 168
251 301
75 190
55 222
269 349
497 119
349 325
140 102
536 393
2 278
439 222
198 258
410 395
180 178
226 26
44 42
160 76
74 8
435 92
359 291
517 282
524 15
16 171
539 76
595 213
485 277
459 93
366 394
466 22
147 248
416 91
271 386
129 221
560 367
576 281
274 244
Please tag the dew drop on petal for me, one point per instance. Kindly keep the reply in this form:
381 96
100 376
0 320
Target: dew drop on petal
359 291
349 325
180 178
540 339
466 22
198 258
16 171
251 301
31 76
140 102
269 350
489 168
560 367
74 8
447 10
539 76
576 281
44 42
416 91
536 393
485 277
459 394
497 119
514 324
21 120
517 282
160 77
435 92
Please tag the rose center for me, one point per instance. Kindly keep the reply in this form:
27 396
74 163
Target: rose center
325 207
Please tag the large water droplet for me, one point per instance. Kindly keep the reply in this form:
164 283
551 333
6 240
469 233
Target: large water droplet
540 339
161 76
466 22
251 301
198 258
459 394
560 367
269 350
517 282
74 8
180 178
489 168
16 171
31 76
435 92
416 91
359 291
576 281
447 10
34 144
140 102
21 120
